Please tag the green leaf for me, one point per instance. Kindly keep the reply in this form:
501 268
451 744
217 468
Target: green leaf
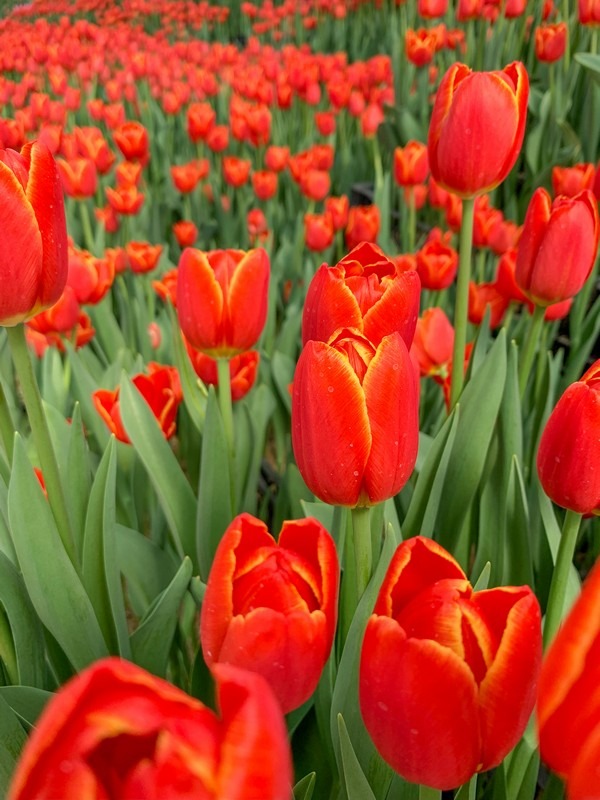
25 628
27 702
215 510
590 62
147 569
357 786
261 405
194 391
151 641
55 589
282 370
101 574
83 385
519 568
78 476
12 739
172 488
305 787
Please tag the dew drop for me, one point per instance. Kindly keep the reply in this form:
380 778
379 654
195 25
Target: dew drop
330 388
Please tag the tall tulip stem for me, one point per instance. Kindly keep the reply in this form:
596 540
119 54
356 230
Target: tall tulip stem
224 397
529 347
462 299
41 435
7 427
560 576
363 556
427 793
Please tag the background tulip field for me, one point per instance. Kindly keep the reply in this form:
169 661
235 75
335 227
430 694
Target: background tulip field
299 400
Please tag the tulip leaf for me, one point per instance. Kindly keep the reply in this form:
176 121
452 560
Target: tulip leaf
590 62
6 545
261 405
345 692
357 786
78 475
25 630
53 585
483 580
151 641
108 332
305 787
553 535
101 574
282 370
519 569
172 488
194 391
215 510
27 702
83 386
147 569
523 766
12 739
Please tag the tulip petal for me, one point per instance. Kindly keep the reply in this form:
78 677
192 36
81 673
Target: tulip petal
397 310
199 301
329 305
419 704
584 776
21 254
507 693
443 102
247 300
330 429
392 399
44 192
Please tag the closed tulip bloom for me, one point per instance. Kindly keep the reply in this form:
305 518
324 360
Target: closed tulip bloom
132 140
236 171
222 299
79 177
589 12
569 449
437 264
568 706
264 183
484 296
420 46
33 244
410 164
470 153
116 730
430 9
363 225
125 199
242 370
448 676
550 41
433 342
318 231
201 118
143 256
272 607
558 246
355 418
185 177
570 181
338 207
186 232
362 291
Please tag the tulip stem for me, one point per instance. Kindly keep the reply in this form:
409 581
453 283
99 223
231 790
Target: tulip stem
224 397
560 576
427 793
41 436
412 219
86 226
529 347
363 557
7 426
462 299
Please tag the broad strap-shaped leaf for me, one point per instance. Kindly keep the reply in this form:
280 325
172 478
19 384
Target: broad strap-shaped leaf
357 786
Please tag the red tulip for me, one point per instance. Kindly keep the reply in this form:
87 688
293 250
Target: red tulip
437 264
483 296
201 118
362 291
363 225
318 231
447 675
355 418
116 730
79 177
338 207
236 171
242 370
185 232
477 127
433 342
272 608
589 12
33 244
558 246
568 706
132 140
569 449
410 164
143 256
550 41
570 181
222 299
264 183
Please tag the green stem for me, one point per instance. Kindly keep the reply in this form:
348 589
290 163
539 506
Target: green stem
427 793
224 397
530 347
41 436
86 225
363 556
462 299
7 426
412 219
560 576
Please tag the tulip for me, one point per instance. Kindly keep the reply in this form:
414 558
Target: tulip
222 299
242 370
264 183
483 296
363 225
429 9
420 46
142 256
236 171
132 140
470 153
570 447
558 246
116 730
568 706
436 265
217 139
589 12
338 207
433 342
570 181
186 232
447 675
201 118
33 245
362 291
355 418
318 231
128 174
125 199
550 42
271 608
79 177
410 164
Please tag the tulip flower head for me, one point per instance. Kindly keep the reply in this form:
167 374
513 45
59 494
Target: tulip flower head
448 676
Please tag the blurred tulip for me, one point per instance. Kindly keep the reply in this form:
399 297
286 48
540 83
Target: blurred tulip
242 370
433 342
410 164
362 291
472 659
363 225
272 608
132 140
201 118
222 299
142 256
33 245
568 706
420 46
483 296
258 227
437 264
264 183
125 199
570 181
185 232
236 171
166 286
558 246
570 447
338 207
355 418
79 177
469 153
550 41
430 9
117 725
589 12
318 231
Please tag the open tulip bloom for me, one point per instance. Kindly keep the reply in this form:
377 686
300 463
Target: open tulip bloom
299 400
